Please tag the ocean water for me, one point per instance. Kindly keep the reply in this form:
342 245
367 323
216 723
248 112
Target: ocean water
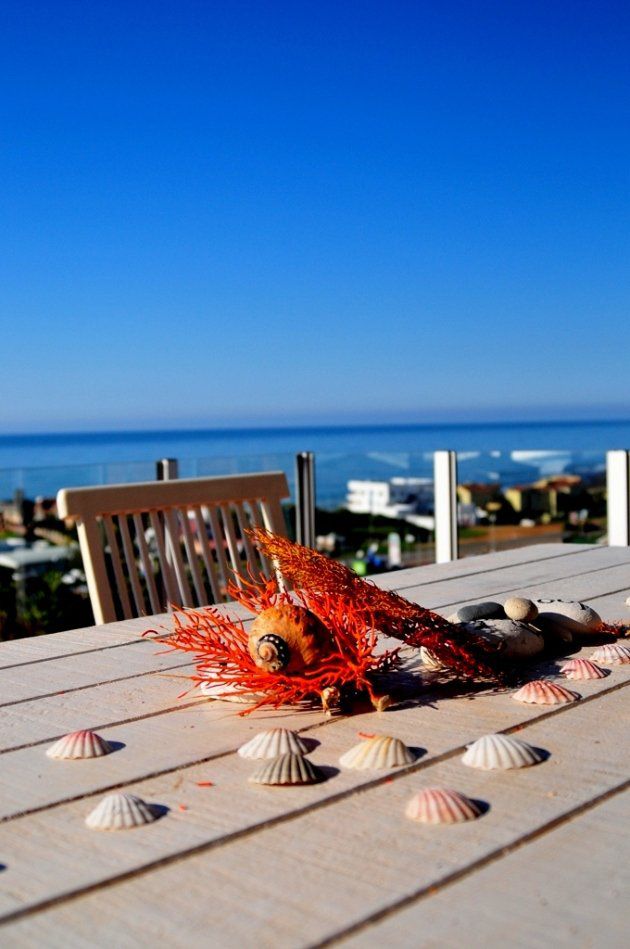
506 453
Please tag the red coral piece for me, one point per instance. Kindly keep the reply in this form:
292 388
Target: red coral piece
222 656
390 612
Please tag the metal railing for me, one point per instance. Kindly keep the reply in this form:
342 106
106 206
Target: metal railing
334 470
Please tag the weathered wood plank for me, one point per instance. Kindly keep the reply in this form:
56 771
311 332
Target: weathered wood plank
314 874
531 580
41 648
196 728
94 707
482 563
84 670
228 831
36 649
544 894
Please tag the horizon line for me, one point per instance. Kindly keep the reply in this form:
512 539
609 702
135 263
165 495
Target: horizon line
293 426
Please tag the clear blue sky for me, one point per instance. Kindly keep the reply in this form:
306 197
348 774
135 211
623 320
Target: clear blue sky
218 212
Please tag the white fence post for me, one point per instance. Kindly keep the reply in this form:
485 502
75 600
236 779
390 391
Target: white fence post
618 498
167 469
445 505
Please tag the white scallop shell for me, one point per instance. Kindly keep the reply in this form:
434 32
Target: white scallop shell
430 660
613 654
224 692
376 753
543 692
500 752
441 806
81 744
583 669
288 769
120 812
273 743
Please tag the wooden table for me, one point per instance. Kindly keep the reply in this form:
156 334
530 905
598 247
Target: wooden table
236 864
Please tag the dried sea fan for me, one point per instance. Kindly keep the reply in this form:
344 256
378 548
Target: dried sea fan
224 655
392 614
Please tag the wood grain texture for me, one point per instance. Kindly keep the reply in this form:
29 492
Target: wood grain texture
480 563
331 863
544 894
323 869
200 729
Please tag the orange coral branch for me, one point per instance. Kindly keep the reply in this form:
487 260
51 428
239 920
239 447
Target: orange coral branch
219 644
391 613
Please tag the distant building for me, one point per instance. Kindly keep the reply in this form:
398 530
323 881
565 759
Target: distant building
397 498
477 494
554 496
527 500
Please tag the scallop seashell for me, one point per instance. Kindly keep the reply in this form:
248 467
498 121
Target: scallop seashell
544 692
441 806
288 769
120 812
81 744
613 654
224 692
272 744
430 660
377 753
500 753
582 669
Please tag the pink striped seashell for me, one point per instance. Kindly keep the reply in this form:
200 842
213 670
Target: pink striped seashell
613 654
582 669
544 692
441 806
82 744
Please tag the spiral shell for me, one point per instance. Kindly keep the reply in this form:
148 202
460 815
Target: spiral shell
377 753
441 806
543 692
272 744
614 654
288 769
81 744
288 639
500 753
121 812
582 669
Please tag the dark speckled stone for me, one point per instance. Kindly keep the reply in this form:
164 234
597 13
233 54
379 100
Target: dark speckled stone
487 610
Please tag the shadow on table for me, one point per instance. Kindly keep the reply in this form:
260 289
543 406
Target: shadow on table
310 743
328 771
483 806
116 745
